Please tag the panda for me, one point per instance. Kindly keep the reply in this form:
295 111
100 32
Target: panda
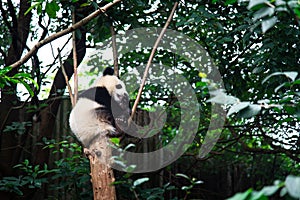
102 110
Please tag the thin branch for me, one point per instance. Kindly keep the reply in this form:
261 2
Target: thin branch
151 58
114 49
45 29
74 61
66 78
64 32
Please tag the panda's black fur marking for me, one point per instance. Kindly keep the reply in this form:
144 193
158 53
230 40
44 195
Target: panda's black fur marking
98 94
102 110
108 71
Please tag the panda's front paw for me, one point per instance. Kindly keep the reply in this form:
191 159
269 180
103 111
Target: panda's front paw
121 124
113 134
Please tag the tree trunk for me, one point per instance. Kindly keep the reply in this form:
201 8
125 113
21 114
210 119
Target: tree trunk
101 172
9 102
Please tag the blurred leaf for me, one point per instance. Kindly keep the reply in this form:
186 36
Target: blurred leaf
270 190
249 111
237 107
140 181
5 70
291 75
292 184
222 98
268 23
241 196
28 88
229 2
183 175
297 11
253 3
266 11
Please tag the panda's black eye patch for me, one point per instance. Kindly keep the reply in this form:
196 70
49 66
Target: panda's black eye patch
119 86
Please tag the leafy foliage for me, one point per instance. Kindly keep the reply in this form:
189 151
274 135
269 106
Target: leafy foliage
288 190
22 78
254 44
69 176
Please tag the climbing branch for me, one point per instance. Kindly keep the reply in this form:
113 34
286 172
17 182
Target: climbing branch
63 32
151 58
114 49
66 78
74 62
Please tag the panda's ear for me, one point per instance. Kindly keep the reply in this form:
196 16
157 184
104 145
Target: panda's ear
108 71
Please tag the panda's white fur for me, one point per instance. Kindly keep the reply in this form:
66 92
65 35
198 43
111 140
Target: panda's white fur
110 83
94 116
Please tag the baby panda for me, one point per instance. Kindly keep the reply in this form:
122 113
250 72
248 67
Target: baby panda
100 111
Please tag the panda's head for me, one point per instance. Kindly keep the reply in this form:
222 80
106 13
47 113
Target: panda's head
115 87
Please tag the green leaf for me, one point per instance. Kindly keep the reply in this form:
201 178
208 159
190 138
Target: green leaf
297 11
258 196
222 98
36 4
183 175
186 187
268 23
51 9
115 141
279 87
249 111
266 11
85 4
241 196
291 75
140 181
229 2
28 88
270 190
254 3
5 70
22 75
292 184
237 107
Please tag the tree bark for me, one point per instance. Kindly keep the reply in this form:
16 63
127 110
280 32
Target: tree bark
9 110
101 172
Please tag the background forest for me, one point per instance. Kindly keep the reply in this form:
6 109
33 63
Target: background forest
254 44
